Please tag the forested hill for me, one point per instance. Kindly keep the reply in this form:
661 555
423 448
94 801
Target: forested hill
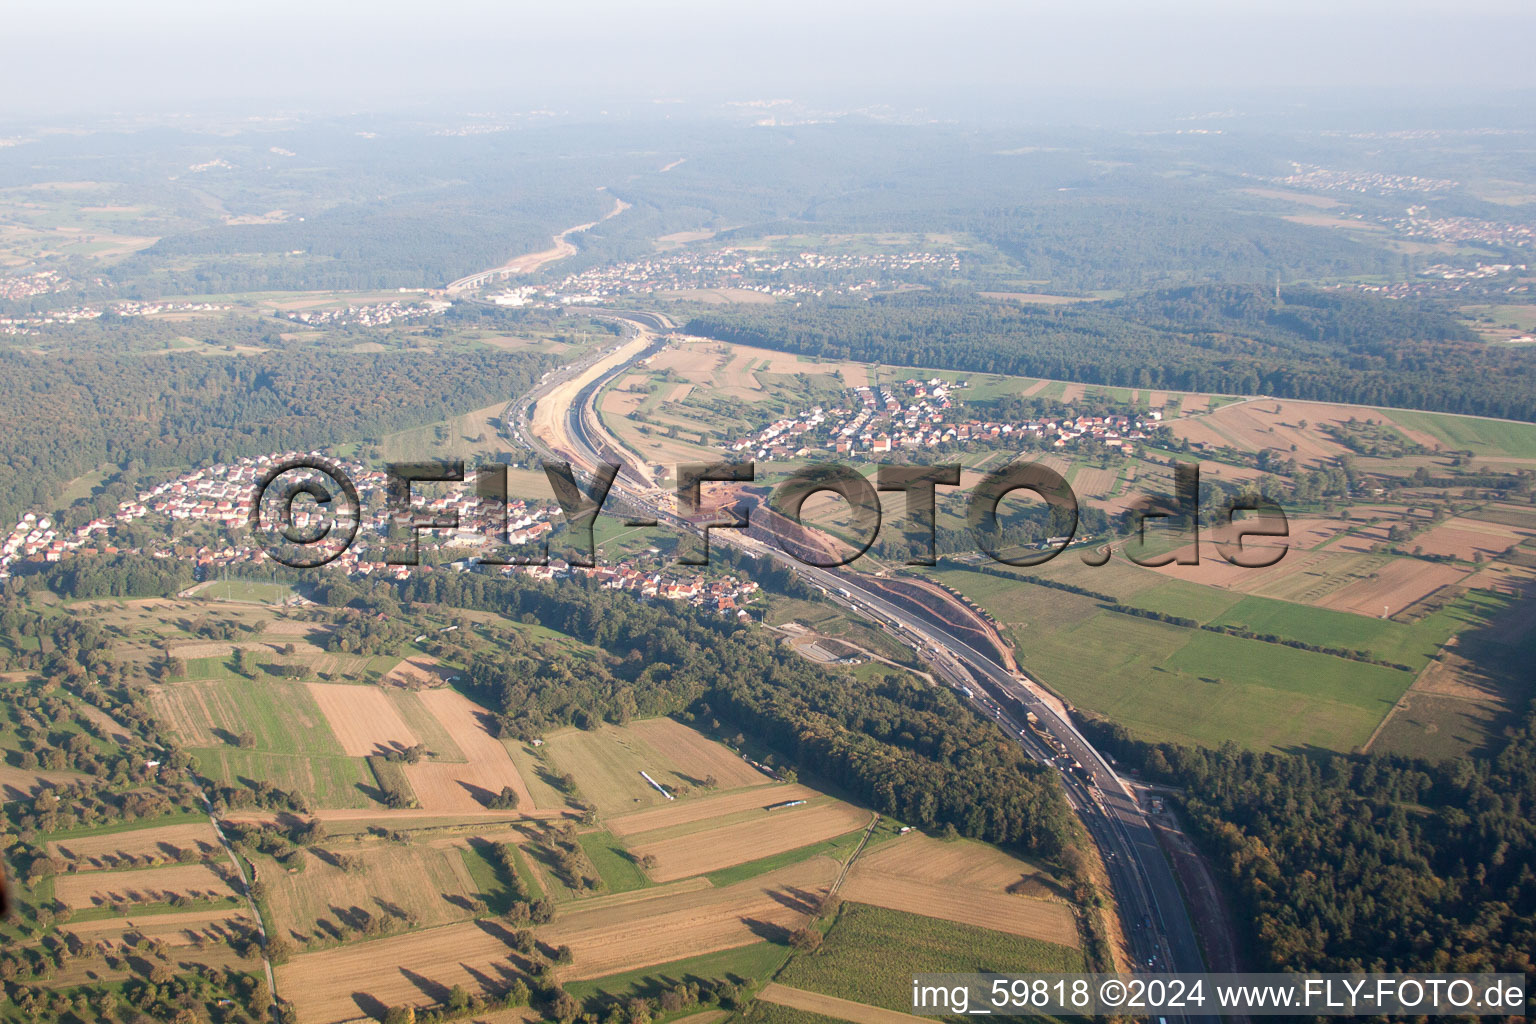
1367 863
1338 320
1325 346
68 415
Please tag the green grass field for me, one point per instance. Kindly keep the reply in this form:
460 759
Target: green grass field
282 717
1481 437
1168 682
871 953
1186 600
744 965
490 885
337 782
246 590
613 862
607 763
1409 644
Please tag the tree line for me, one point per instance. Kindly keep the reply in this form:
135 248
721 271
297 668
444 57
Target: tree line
1323 346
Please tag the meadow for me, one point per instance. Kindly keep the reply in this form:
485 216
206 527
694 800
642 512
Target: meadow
870 954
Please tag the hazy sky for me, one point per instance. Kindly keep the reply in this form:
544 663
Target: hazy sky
83 55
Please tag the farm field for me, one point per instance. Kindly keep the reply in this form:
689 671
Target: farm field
606 938
363 718
869 954
754 961
327 783
487 767
426 885
659 927
111 849
606 763
1171 682
831 1006
962 881
179 928
763 1011
696 755
713 807
772 832
282 717
292 747
157 885
1461 702
23 783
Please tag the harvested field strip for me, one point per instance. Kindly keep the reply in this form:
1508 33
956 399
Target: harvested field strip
164 842
174 928
962 881
704 808
611 939
961 862
831 1006
488 767
655 892
1016 915
606 764
363 718
414 969
775 832
755 813
432 886
348 982
533 771
99 888
22 783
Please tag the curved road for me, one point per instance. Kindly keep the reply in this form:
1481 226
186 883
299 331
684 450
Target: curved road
1157 925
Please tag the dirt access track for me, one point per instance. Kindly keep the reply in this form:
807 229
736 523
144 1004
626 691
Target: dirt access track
549 413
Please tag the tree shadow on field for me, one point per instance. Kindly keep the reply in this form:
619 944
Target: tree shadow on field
392 909
326 856
767 930
373 793
370 1006
488 983
795 898
433 990
481 795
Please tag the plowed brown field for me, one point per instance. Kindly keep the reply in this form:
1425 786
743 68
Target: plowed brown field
449 786
363 718
775 832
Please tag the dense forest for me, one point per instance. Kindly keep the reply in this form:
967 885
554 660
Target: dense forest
187 411
1229 339
1366 863
417 242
